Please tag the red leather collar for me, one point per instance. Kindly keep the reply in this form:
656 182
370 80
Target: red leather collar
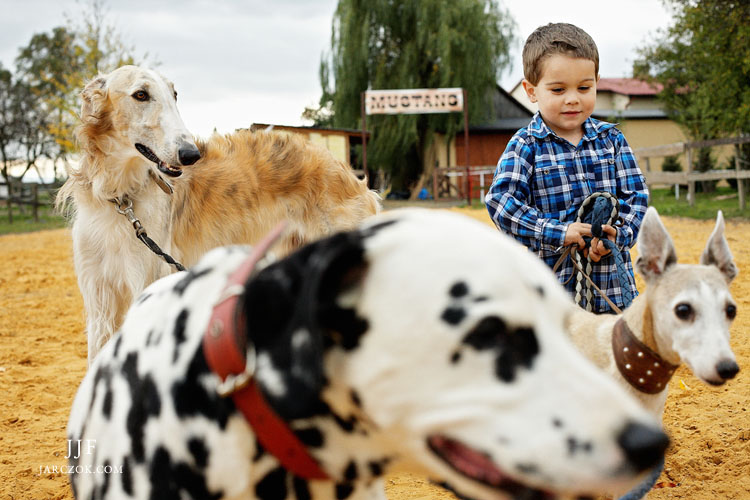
225 345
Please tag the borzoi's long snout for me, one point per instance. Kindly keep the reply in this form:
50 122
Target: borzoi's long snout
176 142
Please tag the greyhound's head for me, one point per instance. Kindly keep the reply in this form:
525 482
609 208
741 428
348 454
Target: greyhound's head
446 340
132 112
691 305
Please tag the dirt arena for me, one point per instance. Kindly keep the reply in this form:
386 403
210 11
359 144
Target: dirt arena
43 358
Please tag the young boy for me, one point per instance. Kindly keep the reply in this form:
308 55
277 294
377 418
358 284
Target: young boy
562 157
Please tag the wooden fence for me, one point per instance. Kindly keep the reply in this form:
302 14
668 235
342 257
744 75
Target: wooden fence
24 194
688 176
450 183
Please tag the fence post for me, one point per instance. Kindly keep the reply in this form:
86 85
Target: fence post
435 193
740 182
35 197
648 169
10 201
691 183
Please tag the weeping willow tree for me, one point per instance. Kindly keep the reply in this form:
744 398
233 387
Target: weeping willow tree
395 44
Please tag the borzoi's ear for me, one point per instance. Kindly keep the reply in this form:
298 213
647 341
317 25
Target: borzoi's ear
293 309
92 97
717 251
655 248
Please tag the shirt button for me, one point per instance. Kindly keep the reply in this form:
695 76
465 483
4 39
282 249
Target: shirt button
611 161
546 171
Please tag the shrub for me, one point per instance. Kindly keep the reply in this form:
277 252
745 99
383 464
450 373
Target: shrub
671 164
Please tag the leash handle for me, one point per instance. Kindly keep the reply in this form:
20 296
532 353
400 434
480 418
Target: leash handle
591 282
568 251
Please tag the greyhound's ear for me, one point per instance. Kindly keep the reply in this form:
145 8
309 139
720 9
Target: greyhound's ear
656 252
717 251
293 308
92 97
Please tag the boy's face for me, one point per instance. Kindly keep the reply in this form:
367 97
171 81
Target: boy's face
566 94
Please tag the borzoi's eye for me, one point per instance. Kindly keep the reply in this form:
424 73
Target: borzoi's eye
140 95
731 311
175 95
684 311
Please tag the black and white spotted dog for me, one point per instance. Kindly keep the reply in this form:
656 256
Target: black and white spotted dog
424 341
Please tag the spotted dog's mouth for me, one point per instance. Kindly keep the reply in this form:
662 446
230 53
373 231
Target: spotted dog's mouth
163 167
478 466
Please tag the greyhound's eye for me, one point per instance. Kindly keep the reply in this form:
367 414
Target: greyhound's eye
140 95
684 311
731 311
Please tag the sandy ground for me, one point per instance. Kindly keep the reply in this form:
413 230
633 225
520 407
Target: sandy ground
43 358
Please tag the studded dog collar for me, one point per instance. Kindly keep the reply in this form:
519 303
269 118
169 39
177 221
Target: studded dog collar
225 346
643 368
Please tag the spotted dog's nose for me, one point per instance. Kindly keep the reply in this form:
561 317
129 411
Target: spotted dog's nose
189 154
643 445
727 369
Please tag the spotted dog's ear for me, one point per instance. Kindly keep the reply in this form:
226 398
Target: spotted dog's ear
655 247
93 96
293 309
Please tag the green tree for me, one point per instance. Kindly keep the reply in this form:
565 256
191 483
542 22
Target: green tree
32 128
52 66
387 44
7 121
56 65
23 126
703 61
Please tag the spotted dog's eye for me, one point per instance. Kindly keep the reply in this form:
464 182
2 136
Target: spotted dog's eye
684 311
140 95
731 311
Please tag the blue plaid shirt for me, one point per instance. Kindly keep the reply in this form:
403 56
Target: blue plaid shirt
541 181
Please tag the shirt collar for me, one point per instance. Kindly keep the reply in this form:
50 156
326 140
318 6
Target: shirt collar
591 127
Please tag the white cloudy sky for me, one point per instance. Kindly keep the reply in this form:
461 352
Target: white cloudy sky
237 62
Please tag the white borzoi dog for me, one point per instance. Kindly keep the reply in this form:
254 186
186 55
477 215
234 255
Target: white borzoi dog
683 315
133 147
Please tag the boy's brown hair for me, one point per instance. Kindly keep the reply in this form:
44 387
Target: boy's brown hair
556 38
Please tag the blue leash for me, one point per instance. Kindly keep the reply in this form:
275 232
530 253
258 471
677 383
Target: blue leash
642 489
604 211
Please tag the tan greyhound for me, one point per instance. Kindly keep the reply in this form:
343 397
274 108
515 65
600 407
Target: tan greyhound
684 315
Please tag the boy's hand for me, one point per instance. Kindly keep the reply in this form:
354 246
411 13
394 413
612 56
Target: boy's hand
598 250
575 233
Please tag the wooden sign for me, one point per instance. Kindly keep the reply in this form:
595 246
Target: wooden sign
413 101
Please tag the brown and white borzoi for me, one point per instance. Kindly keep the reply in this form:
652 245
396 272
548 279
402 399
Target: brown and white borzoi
239 186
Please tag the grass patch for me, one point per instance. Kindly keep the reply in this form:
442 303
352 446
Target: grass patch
705 207
24 222
23 216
